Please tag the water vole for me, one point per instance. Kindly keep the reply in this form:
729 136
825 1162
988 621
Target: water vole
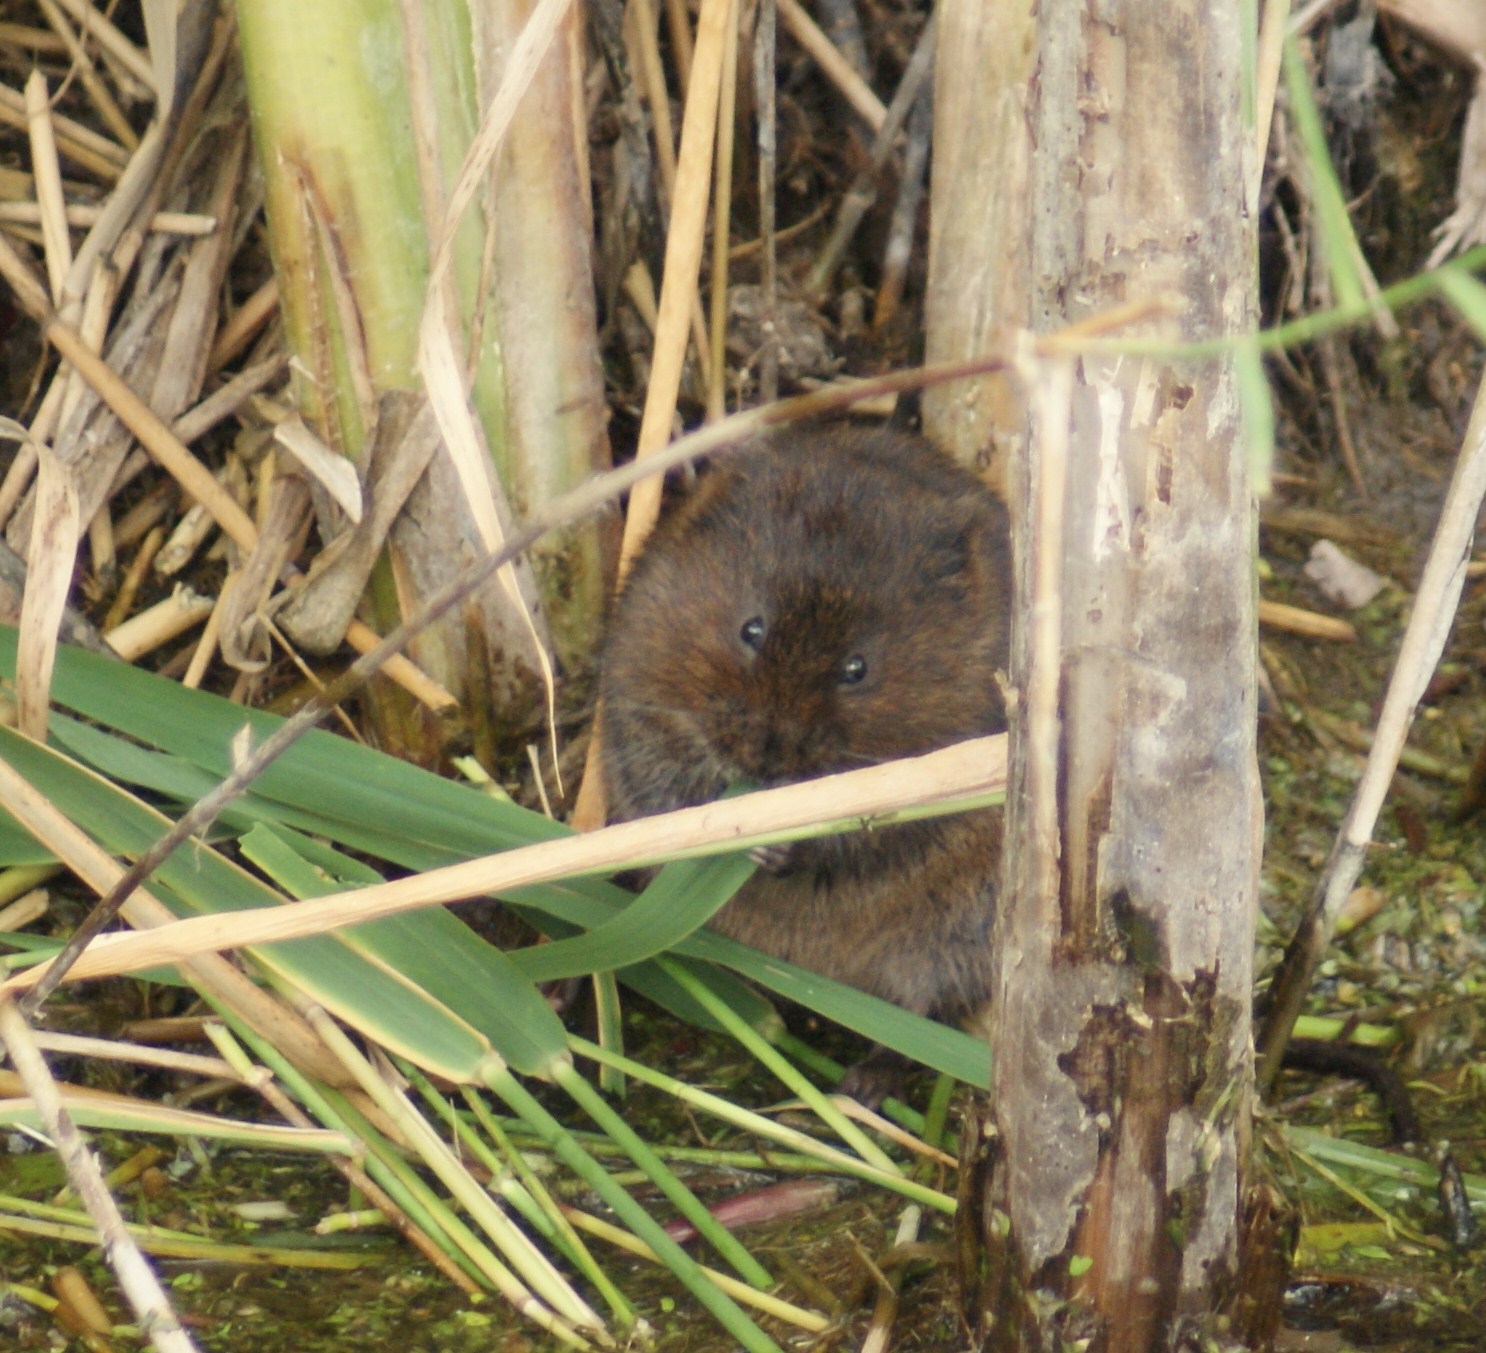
828 599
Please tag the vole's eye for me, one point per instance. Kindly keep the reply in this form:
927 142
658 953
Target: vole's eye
853 670
752 633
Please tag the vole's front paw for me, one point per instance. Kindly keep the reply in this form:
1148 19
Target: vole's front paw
880 1074
775 859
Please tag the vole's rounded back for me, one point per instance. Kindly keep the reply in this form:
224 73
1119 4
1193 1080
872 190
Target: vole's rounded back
823 601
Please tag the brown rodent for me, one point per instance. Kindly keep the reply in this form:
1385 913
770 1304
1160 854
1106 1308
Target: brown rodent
829 599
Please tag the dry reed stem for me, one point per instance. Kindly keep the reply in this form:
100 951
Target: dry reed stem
644 54
112 41
560 1309
1435 603
678 26
133 576
187 223
680 300
26 910
243 324
229 397
885 1309
812 1322
722 212
766 137
835 67
100 533
678 293
186 539
101 157
862 192
260 1079
137 1054
47 175
93 330
162 622
328 468
902 229
132 411
643 40
18 477
182 364
175 458
1268 56
93 85
49 563
1294 620
34 39
206 647
145 516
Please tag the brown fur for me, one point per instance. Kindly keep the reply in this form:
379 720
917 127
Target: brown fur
850 547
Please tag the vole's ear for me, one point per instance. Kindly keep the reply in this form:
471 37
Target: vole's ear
968 541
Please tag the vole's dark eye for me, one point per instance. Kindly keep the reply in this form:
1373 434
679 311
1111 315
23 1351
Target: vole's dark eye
853 670
752 633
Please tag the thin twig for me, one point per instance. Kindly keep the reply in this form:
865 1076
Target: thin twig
764 85
722 212
863 191
835 67
904 226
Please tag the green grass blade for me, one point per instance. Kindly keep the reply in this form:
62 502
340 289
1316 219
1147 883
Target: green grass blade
1258 412
935 1045
681 898
1332 220
791 1077
684 1200
558 1140
1466 294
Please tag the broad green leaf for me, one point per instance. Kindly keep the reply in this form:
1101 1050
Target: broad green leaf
330 776
18 847
198 881
435 951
